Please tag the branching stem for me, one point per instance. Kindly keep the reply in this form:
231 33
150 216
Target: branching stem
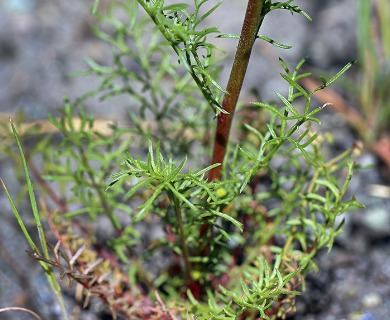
99 190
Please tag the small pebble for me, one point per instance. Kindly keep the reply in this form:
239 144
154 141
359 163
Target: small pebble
372 300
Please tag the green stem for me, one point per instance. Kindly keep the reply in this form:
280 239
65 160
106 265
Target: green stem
183 245
185 59
252 22
106 207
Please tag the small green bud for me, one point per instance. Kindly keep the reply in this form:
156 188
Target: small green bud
196 275
221 192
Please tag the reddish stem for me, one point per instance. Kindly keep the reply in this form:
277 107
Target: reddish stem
250 28
252 22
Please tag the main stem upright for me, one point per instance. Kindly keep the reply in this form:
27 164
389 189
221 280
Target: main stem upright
252 22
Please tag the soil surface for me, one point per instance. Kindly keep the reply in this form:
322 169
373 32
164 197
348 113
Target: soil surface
42 42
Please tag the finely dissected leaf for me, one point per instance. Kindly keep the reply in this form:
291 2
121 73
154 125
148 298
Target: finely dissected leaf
288 105
33 202
284 66
222 231
273 42
139 185
147 206
310 140
326 83
308 157
118 177
272 131
174 173
316 196
180 32
48 270
229 36
181 197
296 86
299 66
229 218
203 171
292 8
208 13
340 73
192 298
330 186
245 288
151 163
209 78
254 130
303 75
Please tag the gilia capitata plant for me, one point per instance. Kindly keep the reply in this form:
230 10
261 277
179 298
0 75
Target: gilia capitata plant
202 228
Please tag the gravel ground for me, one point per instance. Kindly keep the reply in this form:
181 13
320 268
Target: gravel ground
43 41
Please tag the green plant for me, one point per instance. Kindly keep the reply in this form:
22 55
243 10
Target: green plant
230 240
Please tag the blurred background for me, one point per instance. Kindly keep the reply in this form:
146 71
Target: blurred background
44 42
